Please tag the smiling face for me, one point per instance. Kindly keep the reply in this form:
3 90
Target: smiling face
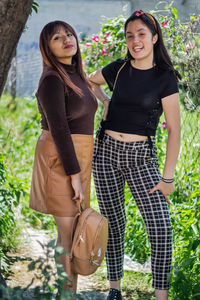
140 41
63 45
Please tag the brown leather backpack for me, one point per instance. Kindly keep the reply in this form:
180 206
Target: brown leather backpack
90 236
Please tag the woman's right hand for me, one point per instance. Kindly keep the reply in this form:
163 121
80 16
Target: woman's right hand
77 187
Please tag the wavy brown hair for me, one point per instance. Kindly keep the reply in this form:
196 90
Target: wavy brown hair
49 59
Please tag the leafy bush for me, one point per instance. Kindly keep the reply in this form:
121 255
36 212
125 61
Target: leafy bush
51 279
10 191
183 47
101 49
136 236
19 133
180 39
186 270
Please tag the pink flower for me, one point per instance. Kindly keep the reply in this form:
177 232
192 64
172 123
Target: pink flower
164 24
95 38
190 45
103 52
139 13
164 125
107 33
104 41
87 45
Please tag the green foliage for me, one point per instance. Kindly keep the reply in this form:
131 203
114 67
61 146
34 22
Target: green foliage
186 276
183 46
106 46
136 237
34 7
101 49
180 40
51 279
10 191
19 131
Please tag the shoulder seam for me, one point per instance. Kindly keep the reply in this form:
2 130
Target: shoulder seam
49 73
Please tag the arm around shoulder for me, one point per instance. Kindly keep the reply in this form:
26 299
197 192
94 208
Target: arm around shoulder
97 78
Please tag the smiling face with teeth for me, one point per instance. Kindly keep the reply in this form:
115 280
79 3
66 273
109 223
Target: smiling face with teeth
140 42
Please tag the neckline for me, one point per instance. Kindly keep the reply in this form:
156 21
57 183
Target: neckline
69 68
142 70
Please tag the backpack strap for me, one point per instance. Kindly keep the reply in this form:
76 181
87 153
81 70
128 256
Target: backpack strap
118 74
80 227
81 207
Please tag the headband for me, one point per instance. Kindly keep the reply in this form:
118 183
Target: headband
140 12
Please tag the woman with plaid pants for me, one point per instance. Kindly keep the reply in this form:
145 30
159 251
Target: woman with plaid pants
144 85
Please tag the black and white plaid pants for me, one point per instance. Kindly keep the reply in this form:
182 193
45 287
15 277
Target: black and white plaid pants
114 163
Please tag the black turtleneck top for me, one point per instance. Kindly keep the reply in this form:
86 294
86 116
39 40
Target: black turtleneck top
64 114
136 106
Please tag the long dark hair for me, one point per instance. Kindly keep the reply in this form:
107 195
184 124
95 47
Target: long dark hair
161 56
50 60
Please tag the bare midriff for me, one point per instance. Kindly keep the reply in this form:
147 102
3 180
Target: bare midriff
126 137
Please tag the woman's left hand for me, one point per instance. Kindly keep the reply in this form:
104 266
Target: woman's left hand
165 188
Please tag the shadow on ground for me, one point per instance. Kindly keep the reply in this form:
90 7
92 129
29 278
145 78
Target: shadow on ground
92 295
138 295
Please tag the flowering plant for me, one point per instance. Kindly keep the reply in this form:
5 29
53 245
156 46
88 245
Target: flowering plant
183 46
164 125
180 39
164 24
105 46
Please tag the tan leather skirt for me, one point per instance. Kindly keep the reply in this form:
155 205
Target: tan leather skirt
51 189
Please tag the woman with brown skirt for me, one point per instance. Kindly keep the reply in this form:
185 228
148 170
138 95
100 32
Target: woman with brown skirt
63 156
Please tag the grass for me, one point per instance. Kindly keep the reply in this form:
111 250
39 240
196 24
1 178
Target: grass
134 285
19 131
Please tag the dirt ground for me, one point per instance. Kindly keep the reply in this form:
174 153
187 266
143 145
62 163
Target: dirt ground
32 250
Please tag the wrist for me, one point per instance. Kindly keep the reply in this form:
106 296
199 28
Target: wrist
167 180
75 176
168 174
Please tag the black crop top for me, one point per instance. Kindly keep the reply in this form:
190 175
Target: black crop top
135 106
